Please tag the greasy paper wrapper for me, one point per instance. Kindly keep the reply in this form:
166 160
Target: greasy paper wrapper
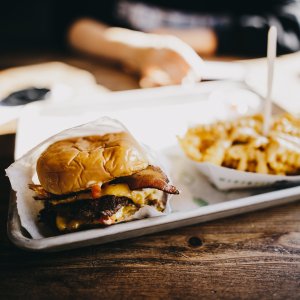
229 179
23 172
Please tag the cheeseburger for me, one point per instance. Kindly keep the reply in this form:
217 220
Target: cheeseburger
97 180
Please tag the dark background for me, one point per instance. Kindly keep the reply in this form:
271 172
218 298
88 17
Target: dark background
42 25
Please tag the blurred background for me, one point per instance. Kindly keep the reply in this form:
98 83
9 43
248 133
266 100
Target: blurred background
130 44
216 27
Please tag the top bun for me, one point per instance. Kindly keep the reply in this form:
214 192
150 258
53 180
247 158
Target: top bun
75 164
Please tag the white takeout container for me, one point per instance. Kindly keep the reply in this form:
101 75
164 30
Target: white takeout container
226 179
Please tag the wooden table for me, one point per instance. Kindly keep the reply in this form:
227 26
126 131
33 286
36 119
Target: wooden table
252 256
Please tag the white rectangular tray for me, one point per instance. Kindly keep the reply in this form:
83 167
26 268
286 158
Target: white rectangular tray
154 117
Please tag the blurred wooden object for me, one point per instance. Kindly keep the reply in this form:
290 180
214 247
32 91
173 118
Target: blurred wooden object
52 75
45 75
252 256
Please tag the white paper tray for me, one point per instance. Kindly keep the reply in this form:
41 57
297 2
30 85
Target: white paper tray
154 117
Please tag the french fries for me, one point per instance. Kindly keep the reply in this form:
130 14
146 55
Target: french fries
240 145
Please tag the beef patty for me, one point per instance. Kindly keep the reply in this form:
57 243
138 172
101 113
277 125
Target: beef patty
87 210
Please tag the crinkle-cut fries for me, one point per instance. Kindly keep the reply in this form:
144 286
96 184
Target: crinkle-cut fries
240 144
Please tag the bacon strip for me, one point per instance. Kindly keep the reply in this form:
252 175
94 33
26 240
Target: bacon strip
151 177
41 194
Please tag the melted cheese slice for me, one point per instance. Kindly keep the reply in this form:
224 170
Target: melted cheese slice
138 197
63 223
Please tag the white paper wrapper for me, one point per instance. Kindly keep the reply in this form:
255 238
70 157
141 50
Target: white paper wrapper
227 179
23 172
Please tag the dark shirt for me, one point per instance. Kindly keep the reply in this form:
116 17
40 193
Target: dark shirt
241 26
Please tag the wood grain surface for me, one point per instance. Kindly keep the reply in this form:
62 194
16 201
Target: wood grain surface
252 256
